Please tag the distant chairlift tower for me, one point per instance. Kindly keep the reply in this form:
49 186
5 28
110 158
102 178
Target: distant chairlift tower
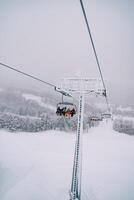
81 87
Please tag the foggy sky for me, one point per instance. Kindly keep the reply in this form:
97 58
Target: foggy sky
49 39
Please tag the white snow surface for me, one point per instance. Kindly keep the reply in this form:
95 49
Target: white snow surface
38 166
38 100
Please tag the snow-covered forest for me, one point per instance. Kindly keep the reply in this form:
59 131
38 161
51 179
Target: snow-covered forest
29 111
32 112
124 125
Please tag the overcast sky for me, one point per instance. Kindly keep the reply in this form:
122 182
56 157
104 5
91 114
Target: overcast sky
48 38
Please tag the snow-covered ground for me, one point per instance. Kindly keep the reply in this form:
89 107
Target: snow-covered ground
38 100
39 166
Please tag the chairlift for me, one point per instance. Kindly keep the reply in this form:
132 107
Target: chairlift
95 118
66 109
106 115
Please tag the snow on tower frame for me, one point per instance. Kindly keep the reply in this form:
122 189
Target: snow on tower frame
78 85
71 85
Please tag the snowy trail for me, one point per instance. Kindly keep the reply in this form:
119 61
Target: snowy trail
39 166
109 164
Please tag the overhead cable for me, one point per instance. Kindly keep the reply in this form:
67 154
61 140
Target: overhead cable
29 75
94 49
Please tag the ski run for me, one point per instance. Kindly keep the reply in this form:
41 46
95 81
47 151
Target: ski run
38 166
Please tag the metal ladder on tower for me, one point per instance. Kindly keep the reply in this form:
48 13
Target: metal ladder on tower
77 165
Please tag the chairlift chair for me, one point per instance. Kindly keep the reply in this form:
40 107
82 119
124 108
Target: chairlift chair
94 118
66 109
106 115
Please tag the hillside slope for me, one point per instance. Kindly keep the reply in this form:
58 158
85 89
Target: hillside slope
39 166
